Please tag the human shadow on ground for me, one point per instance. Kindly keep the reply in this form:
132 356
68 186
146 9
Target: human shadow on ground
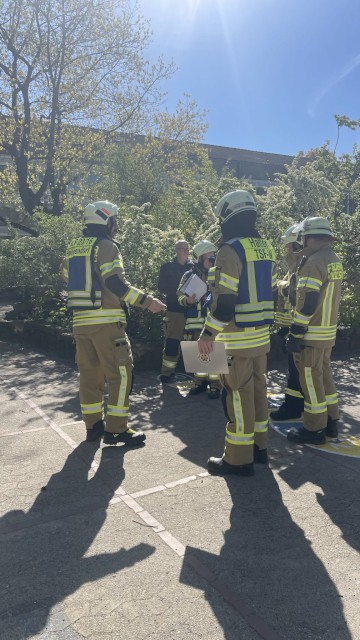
266 566
335 481
45 551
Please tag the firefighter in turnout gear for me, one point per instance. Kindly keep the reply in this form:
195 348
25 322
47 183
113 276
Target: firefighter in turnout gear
313 331
169 277
241 311
195 312
293 404
98 295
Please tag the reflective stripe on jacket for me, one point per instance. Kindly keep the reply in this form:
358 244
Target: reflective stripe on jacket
84 286
255 304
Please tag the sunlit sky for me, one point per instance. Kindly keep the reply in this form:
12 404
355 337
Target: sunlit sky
272 73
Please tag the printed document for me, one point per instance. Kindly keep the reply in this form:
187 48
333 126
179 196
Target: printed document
194 285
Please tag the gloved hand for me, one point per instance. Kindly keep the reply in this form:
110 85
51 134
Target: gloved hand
283 332
294 345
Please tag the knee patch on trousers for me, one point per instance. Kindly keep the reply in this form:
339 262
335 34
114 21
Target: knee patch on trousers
172 347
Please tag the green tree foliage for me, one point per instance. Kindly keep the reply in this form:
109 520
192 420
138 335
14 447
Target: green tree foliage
66 62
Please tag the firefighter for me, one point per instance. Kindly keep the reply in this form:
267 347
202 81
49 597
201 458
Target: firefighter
313 331
169 277
293 404
98 293
195 312
241 311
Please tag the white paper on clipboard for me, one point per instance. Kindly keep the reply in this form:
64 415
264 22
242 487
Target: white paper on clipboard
194 362
194 285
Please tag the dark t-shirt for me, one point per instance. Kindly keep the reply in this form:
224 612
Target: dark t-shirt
169 277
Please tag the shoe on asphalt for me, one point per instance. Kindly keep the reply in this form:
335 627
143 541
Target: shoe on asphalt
213 394
130 437
219 467
95 432
167 379
304 436
199 388
260 455
331 430
285 412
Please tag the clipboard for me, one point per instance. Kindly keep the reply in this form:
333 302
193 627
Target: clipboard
194 285
195 362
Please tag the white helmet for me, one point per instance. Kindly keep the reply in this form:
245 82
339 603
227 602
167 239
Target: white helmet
292 234
202 247
316 226
235 202
100 212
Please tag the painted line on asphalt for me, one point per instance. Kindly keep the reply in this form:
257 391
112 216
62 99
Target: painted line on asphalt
19 433
231 597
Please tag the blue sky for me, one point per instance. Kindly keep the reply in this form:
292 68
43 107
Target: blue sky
272 73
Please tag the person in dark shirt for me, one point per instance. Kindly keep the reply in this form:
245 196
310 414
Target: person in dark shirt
169 277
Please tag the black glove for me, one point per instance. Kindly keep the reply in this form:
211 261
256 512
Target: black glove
283 332
294 345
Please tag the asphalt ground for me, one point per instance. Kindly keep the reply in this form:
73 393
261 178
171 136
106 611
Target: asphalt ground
111 543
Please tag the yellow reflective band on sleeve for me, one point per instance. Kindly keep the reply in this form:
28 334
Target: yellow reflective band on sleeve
261 427
211 275
309 283
213 376
132 295
293 393
274 281
228 282
331 399
182 300
283 319
300 318
212 323
107 267
327 305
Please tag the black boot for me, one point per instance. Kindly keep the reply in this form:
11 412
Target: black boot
304 436
331 430
219 467
95 432
130 437
260 455
286 411
199 388
165 379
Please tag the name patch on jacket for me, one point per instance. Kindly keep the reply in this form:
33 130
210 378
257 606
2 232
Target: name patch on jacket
335 271
257 249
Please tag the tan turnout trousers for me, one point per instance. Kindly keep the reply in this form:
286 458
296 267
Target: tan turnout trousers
104 351
174 332
247 408
317 384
